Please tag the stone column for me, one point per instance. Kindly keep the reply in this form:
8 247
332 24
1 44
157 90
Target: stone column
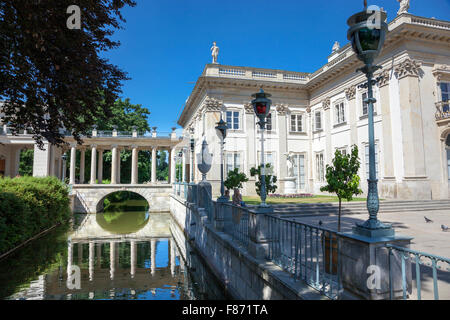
184 166
112 259
350 94
73 154
282 144
153 257
99 255
134 164
154 165
172 165
251 138
93 163
114 164
415 181
69 259
326 125
91 260
133 258
100 166
64 169
82 165
118 165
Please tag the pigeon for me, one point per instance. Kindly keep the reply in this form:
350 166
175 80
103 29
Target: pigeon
320 222
428 220
444 228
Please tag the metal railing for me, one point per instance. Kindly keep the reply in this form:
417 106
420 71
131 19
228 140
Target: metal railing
180 189
239 226
419 259
307 252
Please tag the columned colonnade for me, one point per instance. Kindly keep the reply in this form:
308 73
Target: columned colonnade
96 172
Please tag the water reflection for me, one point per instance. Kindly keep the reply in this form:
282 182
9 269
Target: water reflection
120 255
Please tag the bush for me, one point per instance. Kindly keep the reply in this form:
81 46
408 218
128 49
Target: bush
28 206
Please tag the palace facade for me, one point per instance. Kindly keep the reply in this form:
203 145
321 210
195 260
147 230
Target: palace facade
313 114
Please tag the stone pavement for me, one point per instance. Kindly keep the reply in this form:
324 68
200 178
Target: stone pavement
428 238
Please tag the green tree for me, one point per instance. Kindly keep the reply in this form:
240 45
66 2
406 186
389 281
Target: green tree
162 167
271 180
342 177
53 77
235 179
26 162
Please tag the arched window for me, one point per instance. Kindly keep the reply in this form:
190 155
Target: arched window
447 142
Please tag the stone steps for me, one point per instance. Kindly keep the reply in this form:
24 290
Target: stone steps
360 207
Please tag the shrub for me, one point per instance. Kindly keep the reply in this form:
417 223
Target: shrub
28 206
235 179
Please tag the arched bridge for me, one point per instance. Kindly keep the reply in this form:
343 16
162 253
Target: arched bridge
89 198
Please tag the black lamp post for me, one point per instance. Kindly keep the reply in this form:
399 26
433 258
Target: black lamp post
180 160
367 33
261 106
221 130
192 156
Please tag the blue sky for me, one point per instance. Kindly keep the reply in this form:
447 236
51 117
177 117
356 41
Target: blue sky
166 43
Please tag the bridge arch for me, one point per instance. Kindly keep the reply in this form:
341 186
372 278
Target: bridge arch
100 204
89 198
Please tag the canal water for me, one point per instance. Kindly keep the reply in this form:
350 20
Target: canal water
124 253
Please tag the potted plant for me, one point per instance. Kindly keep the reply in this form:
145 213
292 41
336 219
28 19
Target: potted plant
342 178
271 180
235 179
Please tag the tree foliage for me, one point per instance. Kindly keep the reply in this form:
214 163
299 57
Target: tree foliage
53 77
342 177
235 179
271 180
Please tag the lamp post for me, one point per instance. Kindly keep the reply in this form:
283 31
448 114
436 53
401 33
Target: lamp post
192 156
261 106
367 33
221 131
180 158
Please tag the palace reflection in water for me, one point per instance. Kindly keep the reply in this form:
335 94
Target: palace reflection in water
123 255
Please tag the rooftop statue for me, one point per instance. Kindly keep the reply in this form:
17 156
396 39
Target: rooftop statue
336 46
214 52
404 6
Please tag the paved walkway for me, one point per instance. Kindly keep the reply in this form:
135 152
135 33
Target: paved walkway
428 237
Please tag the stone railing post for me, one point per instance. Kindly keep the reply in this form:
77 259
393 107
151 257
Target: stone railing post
134 132
362 257
114 132
258 245
94 131
154 134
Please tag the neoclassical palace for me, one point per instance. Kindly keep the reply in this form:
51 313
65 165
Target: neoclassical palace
313 114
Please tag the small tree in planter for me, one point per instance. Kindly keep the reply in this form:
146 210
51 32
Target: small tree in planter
342 178
235 179
271 180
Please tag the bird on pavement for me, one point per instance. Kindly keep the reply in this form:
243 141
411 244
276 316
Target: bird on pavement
444 228
428 220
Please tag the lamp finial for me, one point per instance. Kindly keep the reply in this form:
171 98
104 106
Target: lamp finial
365 4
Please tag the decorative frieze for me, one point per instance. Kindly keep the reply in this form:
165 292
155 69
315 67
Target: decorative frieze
384 77
326 104
350 92
248 107
212 105
282 109
408 67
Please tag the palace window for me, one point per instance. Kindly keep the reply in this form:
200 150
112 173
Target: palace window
299 171
365 105
367 160
296 123
233 120
343 150
340 113
445 94
317 121
233 161
320 168
268 159
269 126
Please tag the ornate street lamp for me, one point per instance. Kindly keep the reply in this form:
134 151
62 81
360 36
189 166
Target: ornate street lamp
180 161
192 156
221 131
261 106
367 33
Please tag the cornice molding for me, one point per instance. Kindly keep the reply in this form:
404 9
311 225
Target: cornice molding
408 68
282 109
441 70
211 105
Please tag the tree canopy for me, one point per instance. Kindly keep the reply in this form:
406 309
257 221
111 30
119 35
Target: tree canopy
53 77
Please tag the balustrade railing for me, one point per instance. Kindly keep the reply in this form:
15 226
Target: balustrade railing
442 110
239 226
424 264
307 252
180 189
